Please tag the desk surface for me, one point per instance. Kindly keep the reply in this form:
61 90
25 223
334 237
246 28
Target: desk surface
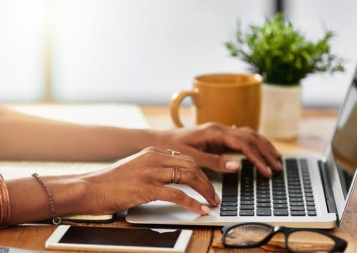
315 127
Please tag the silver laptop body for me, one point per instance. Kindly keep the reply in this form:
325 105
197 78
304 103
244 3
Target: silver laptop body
332 177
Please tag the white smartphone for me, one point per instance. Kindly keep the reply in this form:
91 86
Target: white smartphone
119 239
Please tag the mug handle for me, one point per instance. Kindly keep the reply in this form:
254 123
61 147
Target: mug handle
176 101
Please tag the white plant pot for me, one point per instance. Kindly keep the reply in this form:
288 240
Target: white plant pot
281 111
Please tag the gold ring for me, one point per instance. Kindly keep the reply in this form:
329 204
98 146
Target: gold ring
173 175
173 152
179 175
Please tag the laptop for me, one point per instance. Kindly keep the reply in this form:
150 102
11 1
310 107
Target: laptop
312 191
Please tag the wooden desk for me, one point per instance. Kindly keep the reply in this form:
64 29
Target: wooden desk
315 128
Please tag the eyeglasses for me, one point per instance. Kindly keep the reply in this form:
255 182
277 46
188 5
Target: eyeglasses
250 235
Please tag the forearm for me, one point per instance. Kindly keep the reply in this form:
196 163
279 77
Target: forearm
27 137
29 200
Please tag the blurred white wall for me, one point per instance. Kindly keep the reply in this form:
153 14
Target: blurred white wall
141 51
314 17
21 50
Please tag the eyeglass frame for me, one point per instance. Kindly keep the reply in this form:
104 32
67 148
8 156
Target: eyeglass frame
340 244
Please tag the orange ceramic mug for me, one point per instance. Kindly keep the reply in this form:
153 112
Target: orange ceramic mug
230 99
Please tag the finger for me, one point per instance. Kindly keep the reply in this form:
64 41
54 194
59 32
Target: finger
225 164
257 149
170 152
181 162
269 153
173 152
221 163
216 162
176 162
250 150
190 177
182 199
259 163
201 185
264 148
262 157
271 161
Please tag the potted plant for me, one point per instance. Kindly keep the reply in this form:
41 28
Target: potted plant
283 57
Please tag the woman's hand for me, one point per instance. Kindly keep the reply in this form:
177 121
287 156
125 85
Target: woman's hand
141 178
207 142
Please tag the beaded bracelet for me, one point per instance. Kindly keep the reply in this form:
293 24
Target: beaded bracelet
4 204
56 220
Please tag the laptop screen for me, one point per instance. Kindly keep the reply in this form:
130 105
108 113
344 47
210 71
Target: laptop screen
344 142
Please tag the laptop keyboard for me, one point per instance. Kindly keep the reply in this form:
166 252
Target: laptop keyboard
286 193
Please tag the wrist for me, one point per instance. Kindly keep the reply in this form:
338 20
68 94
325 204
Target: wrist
69 194
29 199
135 140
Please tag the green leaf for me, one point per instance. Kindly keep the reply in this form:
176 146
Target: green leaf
280 53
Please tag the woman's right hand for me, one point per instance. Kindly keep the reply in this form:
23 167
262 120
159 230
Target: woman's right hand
141 178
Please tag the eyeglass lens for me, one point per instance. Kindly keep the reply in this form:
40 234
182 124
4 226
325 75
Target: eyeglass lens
250 235
247 235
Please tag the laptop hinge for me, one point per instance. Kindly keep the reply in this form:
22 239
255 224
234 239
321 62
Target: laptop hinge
326 183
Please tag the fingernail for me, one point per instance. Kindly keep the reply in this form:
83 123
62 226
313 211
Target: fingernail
269 170
205 209
232 165
217 199
280 165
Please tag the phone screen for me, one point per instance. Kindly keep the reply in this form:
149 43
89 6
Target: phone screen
121 236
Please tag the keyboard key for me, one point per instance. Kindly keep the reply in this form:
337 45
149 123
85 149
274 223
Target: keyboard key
279 201
295 191
311 213
297 213
295 195
263 196
263 212
228 213
281 206
246 203
229 204
246 213
229 208
246 207
268 205
229 199
296 204
297 208
263 200
279 195
230 184
296 199
311 208
310 203
247 198
281 212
